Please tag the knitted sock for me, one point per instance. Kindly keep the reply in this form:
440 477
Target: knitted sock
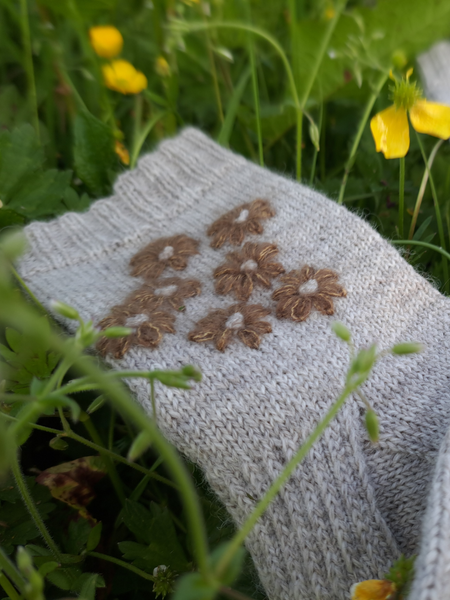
249 296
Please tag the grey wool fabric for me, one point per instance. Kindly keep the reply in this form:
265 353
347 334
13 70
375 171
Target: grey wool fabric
351 507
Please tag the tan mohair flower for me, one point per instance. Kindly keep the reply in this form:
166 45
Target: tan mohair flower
243 219
306 290
241 320
169 292
148 329
172 252
253 265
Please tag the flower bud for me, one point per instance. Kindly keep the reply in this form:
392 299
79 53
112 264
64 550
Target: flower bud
64 310
372 426
191 372
407 348
58 443
341 331
314 135
115 332
141 443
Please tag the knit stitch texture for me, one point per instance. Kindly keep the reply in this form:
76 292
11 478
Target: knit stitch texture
351 507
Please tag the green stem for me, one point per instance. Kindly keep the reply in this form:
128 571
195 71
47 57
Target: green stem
137 118
117 457
140 139
362 124
123 564
424 244
212 64
110 467
152 397
9 588
401 198
8 567
313 167
26 41
438 215
423 186
34 513
251 51
195 27
282 478
24 286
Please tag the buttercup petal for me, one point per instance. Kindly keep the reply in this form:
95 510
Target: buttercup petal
431 118
372 589
390 131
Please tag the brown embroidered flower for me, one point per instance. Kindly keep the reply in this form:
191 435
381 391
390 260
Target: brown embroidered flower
173 252
163 293
233 225
148 328
251 266
305 290
222 325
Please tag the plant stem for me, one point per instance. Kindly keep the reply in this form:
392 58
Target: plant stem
212 64
23 285
313 167
117 457
140 139
401 198
8 587
424 244
152 398
34 513
28 58
8 567
423 186
438 215
251 51
122 563
362 124
263 504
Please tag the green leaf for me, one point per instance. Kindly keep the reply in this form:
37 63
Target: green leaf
9 218
87 584
94 155
94 537
194 587
138 520
62 578
48 567
234 568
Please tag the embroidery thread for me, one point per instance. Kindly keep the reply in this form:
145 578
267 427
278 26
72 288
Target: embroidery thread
235 224
148 329
305 290
174 252
239 320
251 266
167 293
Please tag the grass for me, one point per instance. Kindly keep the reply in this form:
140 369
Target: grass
291 86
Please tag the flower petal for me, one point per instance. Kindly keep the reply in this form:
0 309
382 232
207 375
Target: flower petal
250 338
372 589
431 118
390 131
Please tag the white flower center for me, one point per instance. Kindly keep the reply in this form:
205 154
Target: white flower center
249 265
166 253
136 320
309 287
236 321
243 216
169 290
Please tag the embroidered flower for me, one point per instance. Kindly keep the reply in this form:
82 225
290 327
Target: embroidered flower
243 219
172 252
241 320
305 290
253 265
373 589
164 293
148 329
390 128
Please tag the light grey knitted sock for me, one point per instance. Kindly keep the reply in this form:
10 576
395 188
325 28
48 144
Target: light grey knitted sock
351 507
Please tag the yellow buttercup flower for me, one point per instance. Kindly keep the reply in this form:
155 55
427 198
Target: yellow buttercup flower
122 152
121 76
373 589
106 40
390 128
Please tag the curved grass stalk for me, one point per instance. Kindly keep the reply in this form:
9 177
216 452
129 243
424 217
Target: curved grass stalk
424 244
351 159
28 59
423 186
140 139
